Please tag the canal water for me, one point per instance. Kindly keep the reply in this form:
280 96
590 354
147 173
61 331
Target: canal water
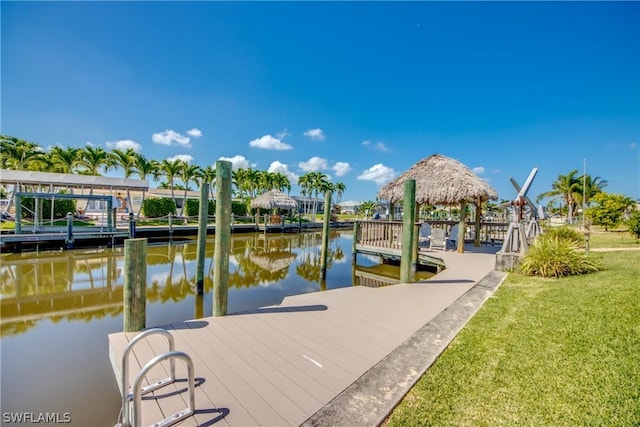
57 308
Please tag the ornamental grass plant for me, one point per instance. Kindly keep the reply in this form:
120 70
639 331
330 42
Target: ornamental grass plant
556 255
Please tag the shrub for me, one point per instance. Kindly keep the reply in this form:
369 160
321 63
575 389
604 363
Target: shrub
634 224
153 208
554 256
60 207
193 207
238 208
565 233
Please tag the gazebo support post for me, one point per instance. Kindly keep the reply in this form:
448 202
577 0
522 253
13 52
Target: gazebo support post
408 220
462 226
476 237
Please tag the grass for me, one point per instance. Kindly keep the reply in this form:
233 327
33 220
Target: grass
561 352
612 239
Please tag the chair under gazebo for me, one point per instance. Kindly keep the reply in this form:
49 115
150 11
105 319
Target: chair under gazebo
442 180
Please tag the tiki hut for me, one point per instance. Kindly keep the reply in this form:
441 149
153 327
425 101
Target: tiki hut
274 199
442 180
272 261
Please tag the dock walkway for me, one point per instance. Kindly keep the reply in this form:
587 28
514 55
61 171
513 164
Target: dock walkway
280 365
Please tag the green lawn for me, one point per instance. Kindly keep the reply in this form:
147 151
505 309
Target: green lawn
541 352
612 239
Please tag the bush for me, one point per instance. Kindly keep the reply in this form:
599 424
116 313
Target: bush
153 208
60 207
634 224
554 256
193 208
238 208
565 233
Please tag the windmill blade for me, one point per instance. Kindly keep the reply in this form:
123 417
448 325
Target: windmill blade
527 184
529 201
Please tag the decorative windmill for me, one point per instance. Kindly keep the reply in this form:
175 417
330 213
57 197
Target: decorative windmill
516 237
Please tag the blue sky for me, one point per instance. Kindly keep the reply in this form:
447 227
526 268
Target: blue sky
360 91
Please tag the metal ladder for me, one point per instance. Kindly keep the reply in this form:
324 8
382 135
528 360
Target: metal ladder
131 401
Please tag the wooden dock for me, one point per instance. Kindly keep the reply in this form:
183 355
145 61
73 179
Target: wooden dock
279 365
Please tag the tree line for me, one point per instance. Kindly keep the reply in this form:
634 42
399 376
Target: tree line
176 174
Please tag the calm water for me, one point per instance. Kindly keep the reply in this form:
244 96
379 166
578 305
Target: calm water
57 309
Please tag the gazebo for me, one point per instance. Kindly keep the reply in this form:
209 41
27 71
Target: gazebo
442 180
274 199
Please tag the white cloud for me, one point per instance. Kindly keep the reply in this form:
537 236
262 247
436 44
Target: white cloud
282 135
237 162
315 134
478 170
125 144
171 137
195 132
341 168
378 173
187 158
283 169
377 146
268 142
314 164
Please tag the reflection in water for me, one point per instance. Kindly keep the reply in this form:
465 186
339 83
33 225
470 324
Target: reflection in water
58 308
87 284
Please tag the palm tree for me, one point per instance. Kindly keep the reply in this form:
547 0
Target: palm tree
171 169
188 173
567 187
319 183
589 187
339 188
125 159
305 188
143 168
64 159
209 176
95 159
368 207
18 154
280 182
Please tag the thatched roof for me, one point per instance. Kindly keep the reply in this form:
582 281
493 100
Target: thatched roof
440 180
274 199
272 261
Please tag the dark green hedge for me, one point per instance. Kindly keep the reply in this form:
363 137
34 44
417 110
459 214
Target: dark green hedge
60 207
153 208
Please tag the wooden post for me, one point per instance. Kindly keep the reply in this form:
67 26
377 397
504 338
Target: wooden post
414 249
325 235
18 214
110 214
462 225
202 235
135 284
170 226
476 237
132 226
223 237
356 227
408 220
69 240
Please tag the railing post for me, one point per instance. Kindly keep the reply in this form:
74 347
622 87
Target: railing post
69 240
170 225
132 226
356 227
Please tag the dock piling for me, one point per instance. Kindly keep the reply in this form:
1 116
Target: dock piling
135 284
325 234
408 219
202 235
223 237
132 226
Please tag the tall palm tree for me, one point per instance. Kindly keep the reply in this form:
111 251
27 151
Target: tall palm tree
144 167
305 189
171 169
567 187
95 160
18 154
125 159
589 187
64 159
280 182
319 183
339 188
209 177
187 174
